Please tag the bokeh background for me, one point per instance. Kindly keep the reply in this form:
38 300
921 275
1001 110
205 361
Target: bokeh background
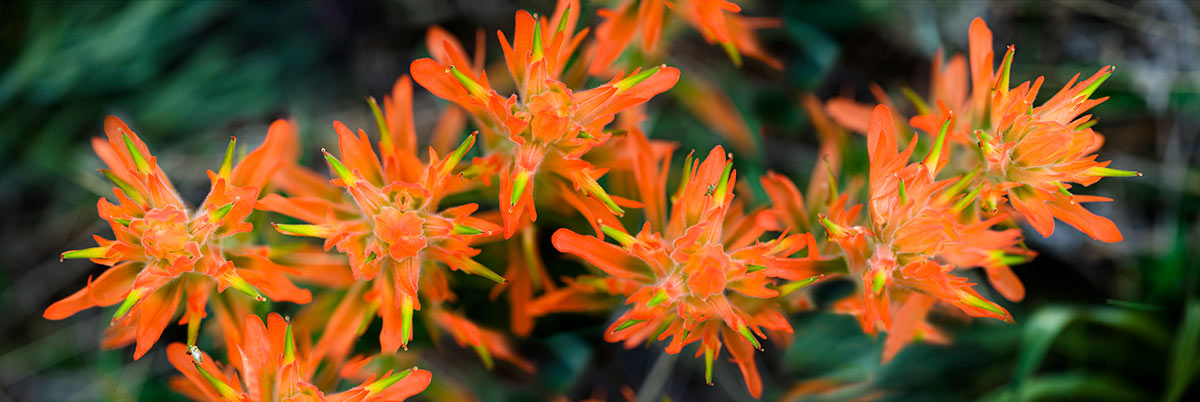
1101 321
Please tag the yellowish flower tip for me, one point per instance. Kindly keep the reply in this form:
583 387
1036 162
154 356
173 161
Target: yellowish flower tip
88 253
754 268
125 187
193 328
464 230
1006 68
689 165
708 365
220 213
341 170
629 82
378 386
966 201
406 320
791 287
585 135
931 161
455 157
519 184
227 162
1006 259
626 324
289 345
538 51
385 133
302 230
471 86
918 103
745 331
659 297
734 55
484 355
130 300
562 21
973 301
475 268
903 191
625 239
961 184
227 393
235 281
723 184
834 230
139 160
591 187
879 281
1091 88
1109 172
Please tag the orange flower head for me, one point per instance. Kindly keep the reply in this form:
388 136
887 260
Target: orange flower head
275 367
916 224
162 250
694 280
546 126
1033 153
392 227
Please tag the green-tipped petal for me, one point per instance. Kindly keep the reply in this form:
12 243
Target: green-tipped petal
378 386
538 51
235 281
289 345
791 287
471 86
406 319
616 234
879 282
562 21
227 162
974 301
745 331
134 296
754 268
659 298
458 154
220 213
226 392
931 161
708 365
629 82
903 193
139 160
734 55
475 268
485 355
125 187
519 184
385 133
966 201
1108 172
918 103
464 230
88 253
627 324
723 184
1091 88
303 230
341 170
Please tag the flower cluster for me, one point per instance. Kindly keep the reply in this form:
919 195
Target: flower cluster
703 267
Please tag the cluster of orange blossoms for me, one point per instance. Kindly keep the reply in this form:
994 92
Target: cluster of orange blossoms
703 268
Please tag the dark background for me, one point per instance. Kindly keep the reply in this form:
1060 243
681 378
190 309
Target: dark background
1101 321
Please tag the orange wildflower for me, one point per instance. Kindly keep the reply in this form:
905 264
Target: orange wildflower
702 276
916 223
540 133
1032 154
275 368
163 251
392 228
